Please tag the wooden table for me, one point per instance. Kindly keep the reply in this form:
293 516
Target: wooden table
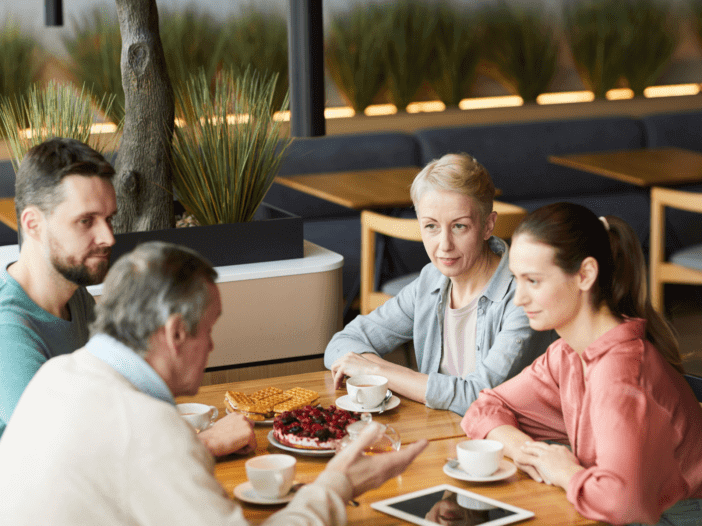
412 421
360 189
7 212
642 167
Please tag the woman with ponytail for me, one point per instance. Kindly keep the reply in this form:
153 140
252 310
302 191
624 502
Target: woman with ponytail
610 387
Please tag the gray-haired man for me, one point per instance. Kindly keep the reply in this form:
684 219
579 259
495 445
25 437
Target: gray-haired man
96 438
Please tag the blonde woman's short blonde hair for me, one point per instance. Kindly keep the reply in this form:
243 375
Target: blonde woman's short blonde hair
456 172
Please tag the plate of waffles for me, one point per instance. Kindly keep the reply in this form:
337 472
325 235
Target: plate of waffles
263 405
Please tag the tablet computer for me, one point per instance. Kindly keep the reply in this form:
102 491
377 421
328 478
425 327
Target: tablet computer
446 504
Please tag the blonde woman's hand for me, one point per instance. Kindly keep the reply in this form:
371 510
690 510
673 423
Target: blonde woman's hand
351 364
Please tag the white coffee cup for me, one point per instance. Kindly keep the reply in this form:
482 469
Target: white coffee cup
271 475
200 416
367 390
479 458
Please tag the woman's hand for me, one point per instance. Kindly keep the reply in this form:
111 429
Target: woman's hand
232 434
554 463
352 364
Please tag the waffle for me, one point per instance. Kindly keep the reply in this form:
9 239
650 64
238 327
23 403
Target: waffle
265 393
303 394
265 402
235 399
300 398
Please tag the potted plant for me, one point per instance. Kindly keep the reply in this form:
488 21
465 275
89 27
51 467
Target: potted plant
227 148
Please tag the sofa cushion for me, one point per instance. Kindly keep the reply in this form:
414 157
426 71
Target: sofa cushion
682 130
633 207
516 154
338 153
690 257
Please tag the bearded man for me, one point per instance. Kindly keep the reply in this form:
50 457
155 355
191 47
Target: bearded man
65 202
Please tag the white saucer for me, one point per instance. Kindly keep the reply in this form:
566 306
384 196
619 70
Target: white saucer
246 493
506 469
345 402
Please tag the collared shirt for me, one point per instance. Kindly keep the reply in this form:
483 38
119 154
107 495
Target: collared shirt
129 364
504 342
631 419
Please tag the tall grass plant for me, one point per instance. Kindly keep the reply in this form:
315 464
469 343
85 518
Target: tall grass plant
408 26
595 30
19 61
651 38
354 56
259 39
192 41
521 43
95 48
57 110
229 148
457 51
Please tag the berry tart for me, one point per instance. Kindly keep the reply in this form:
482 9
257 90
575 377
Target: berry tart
313 427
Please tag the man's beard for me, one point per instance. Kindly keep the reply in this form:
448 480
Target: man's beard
80 274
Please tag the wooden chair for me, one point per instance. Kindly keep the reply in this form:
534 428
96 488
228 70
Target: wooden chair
684 266
508 217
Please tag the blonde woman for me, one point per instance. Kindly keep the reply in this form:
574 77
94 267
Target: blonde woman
468 335
610 386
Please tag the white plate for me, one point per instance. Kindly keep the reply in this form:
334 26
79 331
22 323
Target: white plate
307 452
345 402
266 422
246 493
506 469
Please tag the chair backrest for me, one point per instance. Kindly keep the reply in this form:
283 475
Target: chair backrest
696 384
508 217
372 223
661 271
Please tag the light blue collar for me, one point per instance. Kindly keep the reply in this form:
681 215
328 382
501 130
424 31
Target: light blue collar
130 365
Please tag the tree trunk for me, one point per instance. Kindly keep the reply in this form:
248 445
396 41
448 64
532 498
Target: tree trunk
143 182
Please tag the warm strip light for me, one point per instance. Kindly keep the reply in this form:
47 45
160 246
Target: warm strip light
282 116
619 94
675 90
380 109
340 112
565 97
95 129
426 106
491 102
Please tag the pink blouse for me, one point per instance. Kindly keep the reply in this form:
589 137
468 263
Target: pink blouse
635 424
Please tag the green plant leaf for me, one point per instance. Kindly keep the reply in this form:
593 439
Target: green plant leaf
229 148
58 110
523 47
19 63
407 26
95 50
354 55
258 39
457 41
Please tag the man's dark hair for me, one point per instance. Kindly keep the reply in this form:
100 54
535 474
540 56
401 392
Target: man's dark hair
39 177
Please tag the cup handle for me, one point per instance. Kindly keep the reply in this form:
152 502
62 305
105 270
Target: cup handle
358 398
279 482
215 414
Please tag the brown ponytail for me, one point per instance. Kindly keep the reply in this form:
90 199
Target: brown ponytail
629 292
575 233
